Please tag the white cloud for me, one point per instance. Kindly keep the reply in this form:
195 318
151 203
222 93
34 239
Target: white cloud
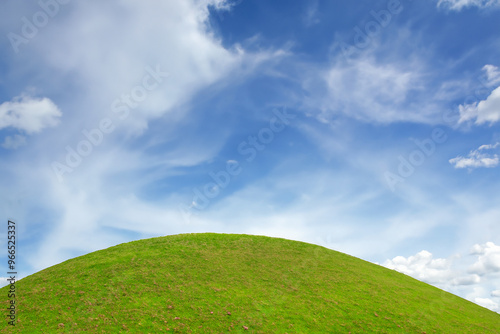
423 266
495 293
488 260
28 114
477 158
14 142
459 4
489 146
492 74
485 111
489 109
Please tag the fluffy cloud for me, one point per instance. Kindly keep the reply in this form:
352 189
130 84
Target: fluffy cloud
478 158
28 114
487 110
423 267
488 260
495 293
14 142
459 4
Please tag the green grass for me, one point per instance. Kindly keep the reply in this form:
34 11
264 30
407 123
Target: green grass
188 283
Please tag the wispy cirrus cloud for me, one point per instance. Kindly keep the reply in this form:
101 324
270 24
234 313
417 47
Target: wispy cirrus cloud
14 142
461 4
372 90
492 74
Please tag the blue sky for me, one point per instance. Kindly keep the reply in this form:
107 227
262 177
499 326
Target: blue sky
371 128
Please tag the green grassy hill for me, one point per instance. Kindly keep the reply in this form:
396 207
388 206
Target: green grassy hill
215 283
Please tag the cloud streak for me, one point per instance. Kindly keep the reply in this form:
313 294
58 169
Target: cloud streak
461 4
14 142
478 158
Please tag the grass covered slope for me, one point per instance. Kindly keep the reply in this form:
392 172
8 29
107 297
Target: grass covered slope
215 283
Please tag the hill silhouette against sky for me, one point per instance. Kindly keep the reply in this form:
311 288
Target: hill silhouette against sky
216 283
